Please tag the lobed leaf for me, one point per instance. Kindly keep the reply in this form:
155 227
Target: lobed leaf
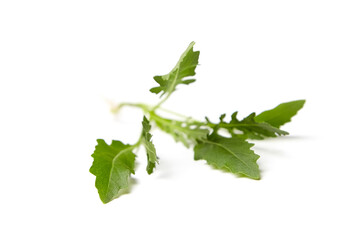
248 126
185 67
253 129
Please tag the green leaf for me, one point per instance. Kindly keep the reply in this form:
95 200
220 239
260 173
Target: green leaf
149 146
248 126
253 129
231 154
281 114
112 167
185 67
181 131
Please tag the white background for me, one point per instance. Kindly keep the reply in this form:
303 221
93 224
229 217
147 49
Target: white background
61 62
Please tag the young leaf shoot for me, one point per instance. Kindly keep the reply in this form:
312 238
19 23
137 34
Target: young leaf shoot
113 164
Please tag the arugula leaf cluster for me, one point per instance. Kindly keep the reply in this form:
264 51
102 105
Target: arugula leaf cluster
113 164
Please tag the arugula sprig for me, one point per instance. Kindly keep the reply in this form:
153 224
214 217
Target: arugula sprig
113 164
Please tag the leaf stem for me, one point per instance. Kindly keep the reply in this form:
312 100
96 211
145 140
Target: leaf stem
161 102
137 144
174 113
150 110
144 107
